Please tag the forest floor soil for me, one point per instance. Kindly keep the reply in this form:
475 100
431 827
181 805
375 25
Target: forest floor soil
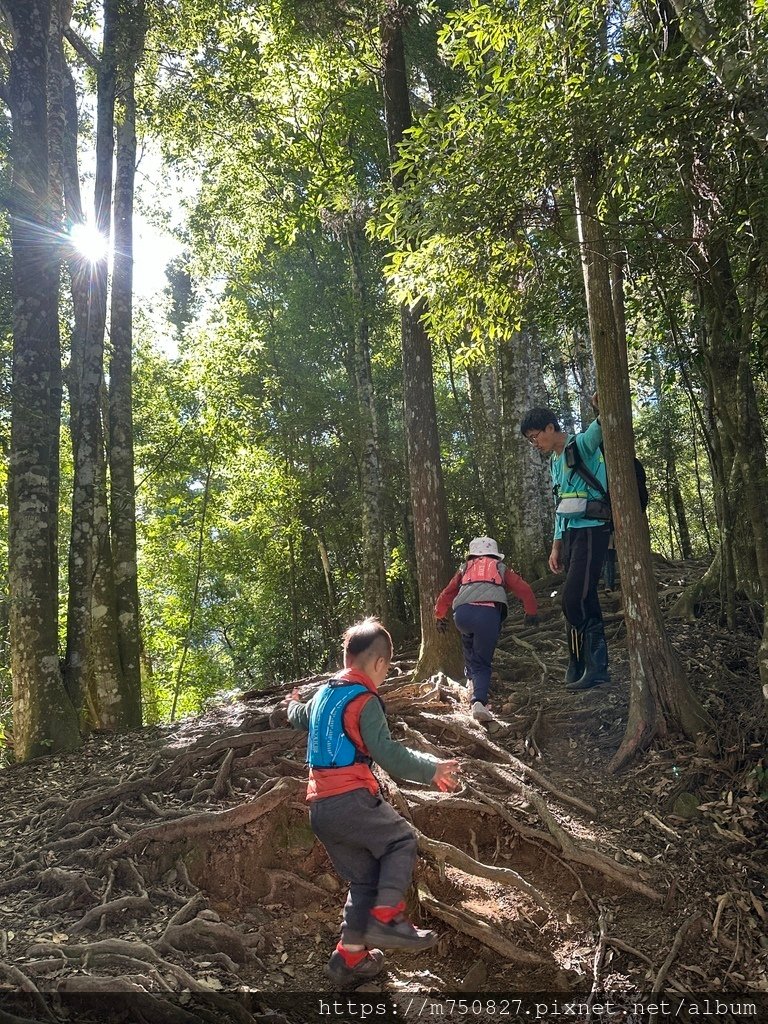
179 858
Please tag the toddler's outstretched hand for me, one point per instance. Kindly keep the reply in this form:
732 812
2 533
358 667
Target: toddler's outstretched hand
445 777
295 695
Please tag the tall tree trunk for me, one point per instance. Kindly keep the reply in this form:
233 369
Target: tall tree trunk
485 443
584 372
374 566
727 352
45 721
560 373
199 565
105 703
660 697
527 490
121 459
85 380
668 450
430 519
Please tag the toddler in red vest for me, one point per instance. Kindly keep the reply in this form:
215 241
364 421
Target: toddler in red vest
478 596
369 843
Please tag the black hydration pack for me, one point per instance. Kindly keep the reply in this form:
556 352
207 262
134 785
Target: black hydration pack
574 461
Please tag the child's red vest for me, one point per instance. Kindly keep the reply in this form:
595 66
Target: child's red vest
482 580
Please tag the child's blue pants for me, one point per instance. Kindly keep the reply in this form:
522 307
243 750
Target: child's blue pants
479 626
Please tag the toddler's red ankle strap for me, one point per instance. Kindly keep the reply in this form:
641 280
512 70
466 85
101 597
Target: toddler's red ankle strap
387 914
351 959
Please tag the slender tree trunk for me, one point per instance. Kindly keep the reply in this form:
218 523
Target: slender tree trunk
527 490
105 701
484 438
728 355
697 470
45 720
584 372
675 496
294 599
374 565
660 697
121 459
430 520
199 563
330 589
85 381
560 373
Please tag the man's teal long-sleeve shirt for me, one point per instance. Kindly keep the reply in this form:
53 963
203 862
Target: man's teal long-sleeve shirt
569 483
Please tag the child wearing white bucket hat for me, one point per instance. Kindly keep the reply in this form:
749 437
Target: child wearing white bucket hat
478 595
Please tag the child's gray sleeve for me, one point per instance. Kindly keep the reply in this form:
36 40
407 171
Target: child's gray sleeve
298 714
396 759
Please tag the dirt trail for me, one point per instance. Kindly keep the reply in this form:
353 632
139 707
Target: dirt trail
179 858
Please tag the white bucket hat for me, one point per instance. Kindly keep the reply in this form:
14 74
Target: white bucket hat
484 546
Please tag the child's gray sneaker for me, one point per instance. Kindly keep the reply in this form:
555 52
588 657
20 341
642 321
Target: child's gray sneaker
480 712
398 933
344 976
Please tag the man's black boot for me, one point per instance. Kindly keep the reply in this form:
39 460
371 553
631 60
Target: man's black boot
575 641
595 657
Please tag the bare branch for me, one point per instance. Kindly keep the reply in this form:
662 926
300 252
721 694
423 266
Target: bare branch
81 48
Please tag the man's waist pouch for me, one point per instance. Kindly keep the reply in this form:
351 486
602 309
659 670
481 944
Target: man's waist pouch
582 508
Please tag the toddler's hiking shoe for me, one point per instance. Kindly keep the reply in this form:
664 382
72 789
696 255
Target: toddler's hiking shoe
397 932
370 964
480 712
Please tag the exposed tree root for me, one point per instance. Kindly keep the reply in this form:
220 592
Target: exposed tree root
160 812
76 891
147 783
21 981
631 746
147 1007
532 736
477 928
244 739
530 835
134 905
569 848
190 910
478 738
685 606
599 958
533 653
201 936
680 935
626 948
286 881
212 821
444 854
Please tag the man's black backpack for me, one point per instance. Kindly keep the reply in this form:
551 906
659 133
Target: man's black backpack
575 462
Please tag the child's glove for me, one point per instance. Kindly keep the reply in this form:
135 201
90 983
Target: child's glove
441 625
531 620
445 777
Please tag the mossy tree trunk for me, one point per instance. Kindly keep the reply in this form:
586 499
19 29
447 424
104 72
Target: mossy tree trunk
45 720
660 697
127 709
430 520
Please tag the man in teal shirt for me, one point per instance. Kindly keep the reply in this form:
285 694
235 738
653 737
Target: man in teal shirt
582 533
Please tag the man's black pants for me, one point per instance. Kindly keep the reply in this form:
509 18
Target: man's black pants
584 552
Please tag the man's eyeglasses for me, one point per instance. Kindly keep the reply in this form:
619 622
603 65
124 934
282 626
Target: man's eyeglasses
531 438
